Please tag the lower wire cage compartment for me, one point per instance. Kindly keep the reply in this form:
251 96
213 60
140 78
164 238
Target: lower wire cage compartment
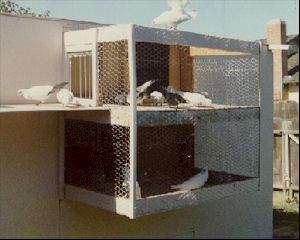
172 149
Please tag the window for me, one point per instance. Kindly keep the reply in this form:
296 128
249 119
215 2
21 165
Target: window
81 74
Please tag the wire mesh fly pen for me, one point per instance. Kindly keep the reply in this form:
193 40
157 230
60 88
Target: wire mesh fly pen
179 103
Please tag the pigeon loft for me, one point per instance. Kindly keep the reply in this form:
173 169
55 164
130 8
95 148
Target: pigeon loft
129 158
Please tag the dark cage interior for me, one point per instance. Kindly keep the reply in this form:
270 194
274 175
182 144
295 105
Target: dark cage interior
168 64
97 154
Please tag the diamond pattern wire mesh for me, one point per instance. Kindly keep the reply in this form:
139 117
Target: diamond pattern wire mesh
168 64
96 156
165 156
113 71
231 80
172 145
163 63
229 141
226 140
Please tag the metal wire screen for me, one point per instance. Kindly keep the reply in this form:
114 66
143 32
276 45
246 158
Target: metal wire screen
166 64
96 157
165 156
228 141
172 144
225 140
113 71
229 80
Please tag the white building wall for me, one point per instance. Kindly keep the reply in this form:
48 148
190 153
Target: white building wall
29 204
31 53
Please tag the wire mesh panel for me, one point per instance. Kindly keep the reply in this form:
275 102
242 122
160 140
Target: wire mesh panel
169 65
229 80
165 156
225 140
113 71
228 141
97 157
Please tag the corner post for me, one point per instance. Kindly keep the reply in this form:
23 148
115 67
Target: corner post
133 119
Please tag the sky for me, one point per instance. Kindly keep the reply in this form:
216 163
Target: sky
239 19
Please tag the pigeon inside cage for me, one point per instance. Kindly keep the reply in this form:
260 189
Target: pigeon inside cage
176 74
161 70
97 159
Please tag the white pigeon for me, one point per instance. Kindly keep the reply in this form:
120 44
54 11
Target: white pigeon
40 93
192 98
144 86
126 182
194 182
65 97
157 96
176 15
140 92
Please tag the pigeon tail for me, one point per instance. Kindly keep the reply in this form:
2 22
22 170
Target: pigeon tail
60 85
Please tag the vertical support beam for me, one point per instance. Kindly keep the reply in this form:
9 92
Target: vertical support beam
283 176
80 75
186 69
286 158
174 67
133 119
85 75
266 131
95 81
61 155
286 162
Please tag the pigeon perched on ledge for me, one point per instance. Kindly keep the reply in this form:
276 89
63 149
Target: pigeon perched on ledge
126 182
191 97
141 94
40 93
65 97
194 182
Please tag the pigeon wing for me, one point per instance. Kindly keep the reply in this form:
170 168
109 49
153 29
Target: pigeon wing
58 86
39 92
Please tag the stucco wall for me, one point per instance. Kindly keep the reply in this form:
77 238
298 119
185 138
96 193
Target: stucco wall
29 205
28 175
31 54
29 166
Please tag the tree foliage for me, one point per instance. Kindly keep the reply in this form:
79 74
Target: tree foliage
8 6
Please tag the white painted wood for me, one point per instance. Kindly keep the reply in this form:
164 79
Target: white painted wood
46 107
96 199
294 138
114 33
78 48
171 37
133 120
80 37
286 160
149 34
266 134
95 81
279 47
174 200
